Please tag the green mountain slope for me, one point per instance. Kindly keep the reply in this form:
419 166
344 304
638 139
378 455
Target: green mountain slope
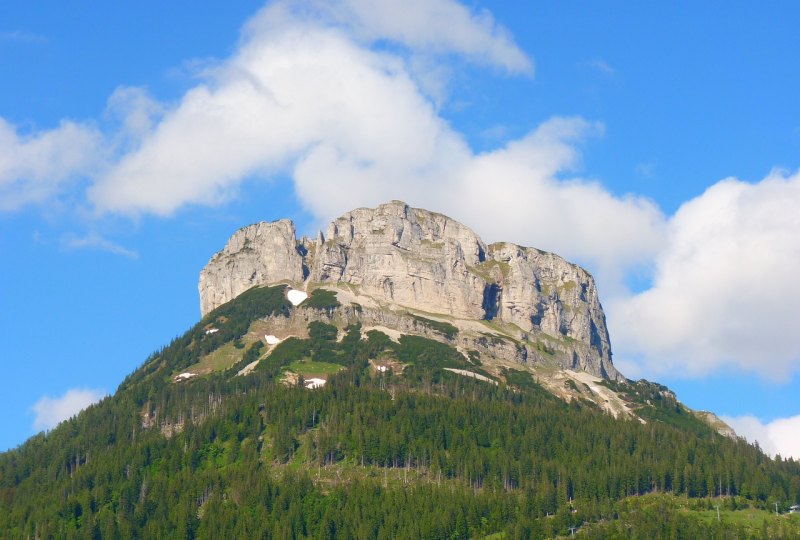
412 450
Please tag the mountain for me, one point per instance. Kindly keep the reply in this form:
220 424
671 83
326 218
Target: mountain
392 378
395 260
410 271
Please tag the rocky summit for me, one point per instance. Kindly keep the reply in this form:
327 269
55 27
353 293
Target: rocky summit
395 266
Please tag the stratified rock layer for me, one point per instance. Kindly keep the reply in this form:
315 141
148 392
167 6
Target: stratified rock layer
421 260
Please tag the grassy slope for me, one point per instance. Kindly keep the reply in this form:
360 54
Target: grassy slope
665 515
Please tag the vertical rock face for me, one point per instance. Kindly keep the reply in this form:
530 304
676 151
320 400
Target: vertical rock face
541 292
254 255
405 256
422 260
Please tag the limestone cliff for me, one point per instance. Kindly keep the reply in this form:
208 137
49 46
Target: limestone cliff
257 254
421 261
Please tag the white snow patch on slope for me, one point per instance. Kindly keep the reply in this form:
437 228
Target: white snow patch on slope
296 297
271 340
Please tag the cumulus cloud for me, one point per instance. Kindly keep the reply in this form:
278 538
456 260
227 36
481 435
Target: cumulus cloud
285 94
780 436
257 111
35 167
354 125
314 92
301 84
51 411
723 291
514 193
343 99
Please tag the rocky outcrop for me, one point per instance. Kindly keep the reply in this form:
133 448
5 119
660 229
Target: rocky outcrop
413 258
254 255
716 423
405 256
541 292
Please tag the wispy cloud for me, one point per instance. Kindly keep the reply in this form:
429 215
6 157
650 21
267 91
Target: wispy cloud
96 242
780 436
20 36
432 26
600 66
50 411
645 170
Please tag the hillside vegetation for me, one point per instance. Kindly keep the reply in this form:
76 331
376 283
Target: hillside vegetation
420 452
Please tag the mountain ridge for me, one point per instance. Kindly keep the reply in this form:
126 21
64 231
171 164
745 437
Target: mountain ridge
404 258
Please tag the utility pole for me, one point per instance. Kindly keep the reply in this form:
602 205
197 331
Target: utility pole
572 530
776 509
718 520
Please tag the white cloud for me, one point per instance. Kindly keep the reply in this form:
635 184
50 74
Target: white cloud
356 127
780 436
313 91
135 112
432 26
97 242
35 167
298 84
262 108
513 193
51 411
307 94
724 289
285 93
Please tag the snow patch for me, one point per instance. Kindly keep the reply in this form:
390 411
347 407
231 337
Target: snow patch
271 340
296 297
184 376
212 330
314 383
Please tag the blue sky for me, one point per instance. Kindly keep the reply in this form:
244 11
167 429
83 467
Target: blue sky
657 144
